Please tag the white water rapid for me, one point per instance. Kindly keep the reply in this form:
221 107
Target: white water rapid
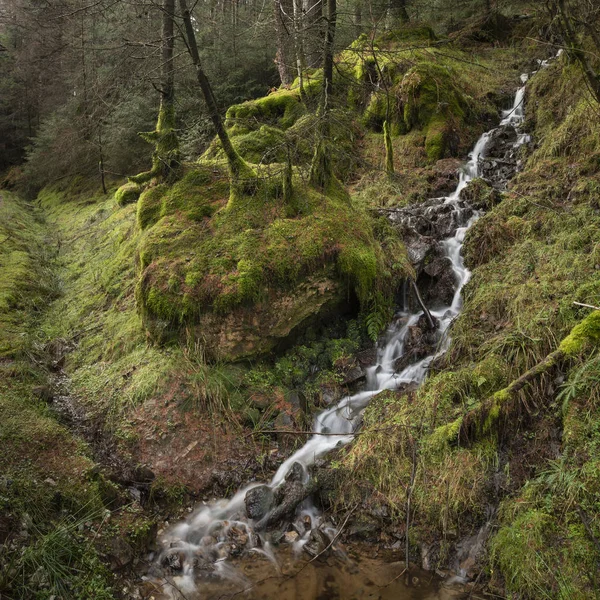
204 541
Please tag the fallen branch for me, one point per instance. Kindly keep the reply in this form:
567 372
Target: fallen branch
308 433
587 305
425 310
481 419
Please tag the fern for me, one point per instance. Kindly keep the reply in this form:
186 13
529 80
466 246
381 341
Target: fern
380 313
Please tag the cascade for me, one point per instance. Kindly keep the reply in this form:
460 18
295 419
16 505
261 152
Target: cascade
202 543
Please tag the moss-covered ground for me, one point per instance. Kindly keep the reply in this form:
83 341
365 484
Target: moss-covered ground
531 456
50 496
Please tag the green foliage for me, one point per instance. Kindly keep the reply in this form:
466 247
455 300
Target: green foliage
25 263
533 254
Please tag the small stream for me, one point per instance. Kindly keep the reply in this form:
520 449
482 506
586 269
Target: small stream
212 545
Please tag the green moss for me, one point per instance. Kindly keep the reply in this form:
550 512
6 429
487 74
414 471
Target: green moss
44 485
582 336
264 145
149 205
25 262
389 149
436 141
281 108
166 160
128 193
254 250
189 195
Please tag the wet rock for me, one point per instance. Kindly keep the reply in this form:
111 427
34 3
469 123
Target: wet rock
444 177
238 536
438 266
501 160
277 536
259 501
367 358
317 543
419 247
352 375
439 289
429 556
470 552
289 495
432 218
330 394
203 563
420 342
120 553
297 401
296 473
290 537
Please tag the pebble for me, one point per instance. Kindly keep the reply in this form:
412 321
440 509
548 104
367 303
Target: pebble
291 536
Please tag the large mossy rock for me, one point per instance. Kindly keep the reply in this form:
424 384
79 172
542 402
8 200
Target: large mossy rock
239 277
404 79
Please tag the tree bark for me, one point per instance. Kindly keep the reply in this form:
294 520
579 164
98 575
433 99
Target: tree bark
237 166
397 12
312 31
321 168
328 52
299 44
166 161
284 27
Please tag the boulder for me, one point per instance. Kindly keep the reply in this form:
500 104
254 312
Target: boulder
317 543
259 501
120 553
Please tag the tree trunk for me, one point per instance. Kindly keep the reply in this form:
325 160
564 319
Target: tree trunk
357 17
397 12
239 169
284 27
321 168
575 49
328 53
389 154
312 31
166 162
299 44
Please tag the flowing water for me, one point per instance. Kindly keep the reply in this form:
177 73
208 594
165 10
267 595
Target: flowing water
205 545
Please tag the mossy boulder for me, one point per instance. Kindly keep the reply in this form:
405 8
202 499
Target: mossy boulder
263 145
242 276
281 109
128 193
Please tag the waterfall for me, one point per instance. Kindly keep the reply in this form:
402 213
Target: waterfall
204 539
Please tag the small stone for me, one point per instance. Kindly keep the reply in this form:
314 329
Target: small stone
290 537
317 543
120 553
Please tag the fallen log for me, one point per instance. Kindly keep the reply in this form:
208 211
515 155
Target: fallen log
480 420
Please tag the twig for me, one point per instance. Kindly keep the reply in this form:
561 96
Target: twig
354 433
587 305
